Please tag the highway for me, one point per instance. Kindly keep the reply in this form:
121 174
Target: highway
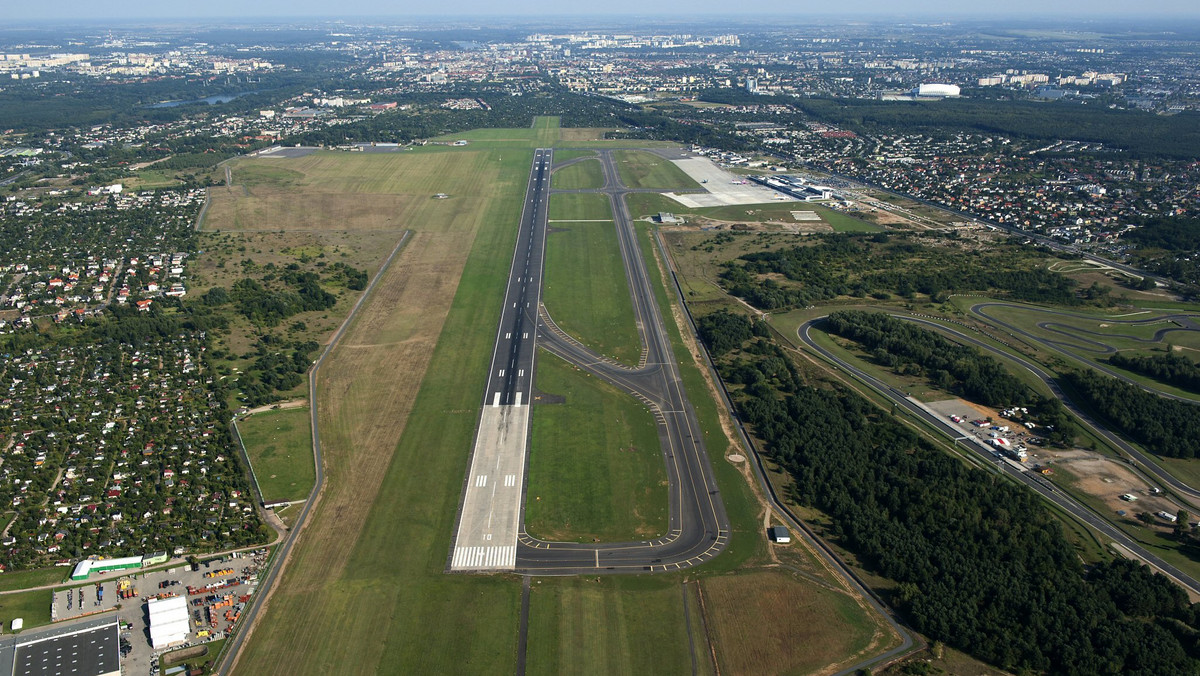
1030 479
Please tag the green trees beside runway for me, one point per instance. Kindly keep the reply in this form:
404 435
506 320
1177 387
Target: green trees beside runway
961 369
979 563
1164 426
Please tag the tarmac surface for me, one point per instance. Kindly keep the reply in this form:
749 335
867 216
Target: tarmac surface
723 188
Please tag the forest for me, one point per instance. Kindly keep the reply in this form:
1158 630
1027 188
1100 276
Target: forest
979 563
912 350
1164 426
1172 369
880 265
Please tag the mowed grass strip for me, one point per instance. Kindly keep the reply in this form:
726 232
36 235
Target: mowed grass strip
585 289
639 169
766 623
584 175
596 468
608 625
579 207
279 444
365 591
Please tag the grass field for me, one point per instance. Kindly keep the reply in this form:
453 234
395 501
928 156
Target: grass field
640 169
584 175
761 623
279 444
579 207
608 625
23 579
367 576
595 463
564 155
32 606
585 289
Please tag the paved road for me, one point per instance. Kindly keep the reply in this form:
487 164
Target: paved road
1032 480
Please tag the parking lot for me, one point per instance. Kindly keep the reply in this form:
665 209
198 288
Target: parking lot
218 591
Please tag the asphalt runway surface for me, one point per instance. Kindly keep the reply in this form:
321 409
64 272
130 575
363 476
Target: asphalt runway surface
1032 480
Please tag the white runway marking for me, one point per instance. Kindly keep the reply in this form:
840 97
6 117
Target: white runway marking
510 479
518 402
520 373
501 373
508 336
481 480
496 400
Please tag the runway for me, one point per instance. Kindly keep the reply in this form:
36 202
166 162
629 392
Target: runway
698 527
490 515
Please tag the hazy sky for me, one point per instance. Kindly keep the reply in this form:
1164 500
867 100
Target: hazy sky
68 10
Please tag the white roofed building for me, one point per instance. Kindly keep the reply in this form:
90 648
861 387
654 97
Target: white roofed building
168 621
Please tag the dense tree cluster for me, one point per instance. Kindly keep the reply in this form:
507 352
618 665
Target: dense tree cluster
1164 426
961 369
1172 369
723 331
881 265
302 293
980 563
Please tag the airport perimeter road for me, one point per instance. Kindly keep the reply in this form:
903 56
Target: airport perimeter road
698 527
1034 481
489 518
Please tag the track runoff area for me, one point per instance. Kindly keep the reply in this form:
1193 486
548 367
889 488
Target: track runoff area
490 537
490 518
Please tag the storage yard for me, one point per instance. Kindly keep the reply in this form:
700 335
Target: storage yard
213 596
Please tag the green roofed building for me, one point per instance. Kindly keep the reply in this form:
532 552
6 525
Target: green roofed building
88 566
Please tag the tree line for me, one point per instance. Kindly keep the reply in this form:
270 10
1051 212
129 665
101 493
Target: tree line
1171 369
979 563
1164 426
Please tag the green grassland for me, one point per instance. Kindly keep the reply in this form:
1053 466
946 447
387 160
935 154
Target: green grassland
585 289
31 606
584 175
608 625
639 169
595 463
579 207
279 444
24 579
